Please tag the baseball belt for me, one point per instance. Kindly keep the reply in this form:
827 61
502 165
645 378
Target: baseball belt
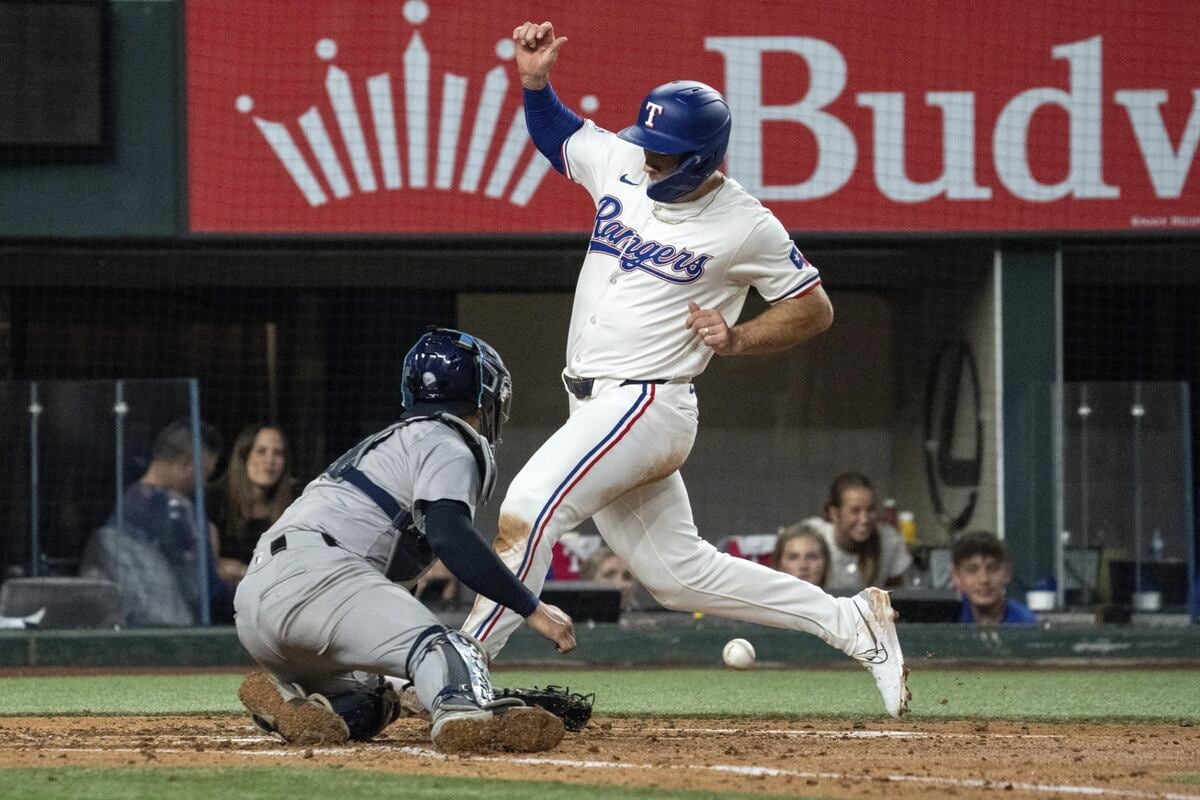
582 387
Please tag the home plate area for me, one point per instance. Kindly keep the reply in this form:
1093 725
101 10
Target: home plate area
827 758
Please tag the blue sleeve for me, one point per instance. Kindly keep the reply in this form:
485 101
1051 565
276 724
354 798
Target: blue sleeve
455 541
550 124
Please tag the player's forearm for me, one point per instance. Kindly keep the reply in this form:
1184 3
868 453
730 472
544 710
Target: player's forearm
784 325
455 541
550 123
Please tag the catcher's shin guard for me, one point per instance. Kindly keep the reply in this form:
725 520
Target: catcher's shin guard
465 679
467 716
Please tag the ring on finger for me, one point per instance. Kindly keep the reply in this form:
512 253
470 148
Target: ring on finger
704 331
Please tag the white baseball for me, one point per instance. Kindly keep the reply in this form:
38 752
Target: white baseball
738 654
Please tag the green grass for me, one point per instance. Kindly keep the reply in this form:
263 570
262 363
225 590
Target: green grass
1123 695
288 783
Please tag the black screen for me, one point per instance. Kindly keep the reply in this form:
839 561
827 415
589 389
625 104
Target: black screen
52 77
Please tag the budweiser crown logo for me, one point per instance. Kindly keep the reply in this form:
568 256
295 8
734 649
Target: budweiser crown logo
385 162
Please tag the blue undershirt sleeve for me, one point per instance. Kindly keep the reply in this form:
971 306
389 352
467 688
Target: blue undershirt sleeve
550 123
469 558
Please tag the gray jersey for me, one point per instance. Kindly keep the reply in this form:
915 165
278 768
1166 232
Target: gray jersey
320 604
423 460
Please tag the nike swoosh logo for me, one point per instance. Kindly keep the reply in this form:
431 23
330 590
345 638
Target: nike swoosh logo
625 179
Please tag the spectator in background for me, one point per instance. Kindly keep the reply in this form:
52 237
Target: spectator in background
863 551
253 493
802 552
151 552
981 570
606 567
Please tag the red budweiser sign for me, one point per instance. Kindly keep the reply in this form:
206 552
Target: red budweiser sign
397 117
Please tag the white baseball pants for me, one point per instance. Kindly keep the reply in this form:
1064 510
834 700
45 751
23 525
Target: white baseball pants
617 460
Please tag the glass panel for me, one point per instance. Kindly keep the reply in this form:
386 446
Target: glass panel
73 449
1126 495
74 469
14 478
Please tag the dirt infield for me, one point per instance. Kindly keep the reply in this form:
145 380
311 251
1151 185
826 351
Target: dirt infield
831 758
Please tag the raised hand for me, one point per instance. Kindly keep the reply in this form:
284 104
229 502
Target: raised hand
537 50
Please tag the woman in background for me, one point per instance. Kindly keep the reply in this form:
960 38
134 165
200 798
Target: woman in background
251 496
863 551
802 552
606 567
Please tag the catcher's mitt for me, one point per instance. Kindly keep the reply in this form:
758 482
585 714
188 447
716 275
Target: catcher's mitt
573 708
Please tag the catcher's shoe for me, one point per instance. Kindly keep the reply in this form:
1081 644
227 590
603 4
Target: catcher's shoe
877 647
505 725
573 708
296 717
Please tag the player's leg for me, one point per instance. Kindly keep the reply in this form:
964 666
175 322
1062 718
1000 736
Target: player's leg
276 703
651 528
619 438
449 672
353 627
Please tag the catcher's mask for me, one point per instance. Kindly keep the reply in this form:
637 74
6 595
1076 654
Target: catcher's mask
688 119
463 373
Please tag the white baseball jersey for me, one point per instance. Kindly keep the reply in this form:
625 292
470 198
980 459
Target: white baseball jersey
647 260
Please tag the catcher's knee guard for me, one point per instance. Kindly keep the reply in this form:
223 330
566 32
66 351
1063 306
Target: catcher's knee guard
367 713
466 682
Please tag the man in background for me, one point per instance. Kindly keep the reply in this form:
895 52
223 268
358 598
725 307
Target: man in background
151 552
981 571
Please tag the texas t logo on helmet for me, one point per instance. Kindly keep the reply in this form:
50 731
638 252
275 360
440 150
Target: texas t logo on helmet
688 119
654 109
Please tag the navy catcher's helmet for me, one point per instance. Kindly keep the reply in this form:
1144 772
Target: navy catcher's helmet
685 118
463 372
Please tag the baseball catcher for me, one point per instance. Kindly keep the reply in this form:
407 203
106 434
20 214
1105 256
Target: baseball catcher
325 608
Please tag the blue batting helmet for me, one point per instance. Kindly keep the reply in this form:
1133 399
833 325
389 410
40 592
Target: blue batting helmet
685 118
464 372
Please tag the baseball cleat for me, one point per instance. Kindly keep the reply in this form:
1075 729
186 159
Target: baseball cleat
519 729
877 648
289 713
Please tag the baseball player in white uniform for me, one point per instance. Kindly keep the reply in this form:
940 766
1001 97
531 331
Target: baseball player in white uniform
325 605
674 250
